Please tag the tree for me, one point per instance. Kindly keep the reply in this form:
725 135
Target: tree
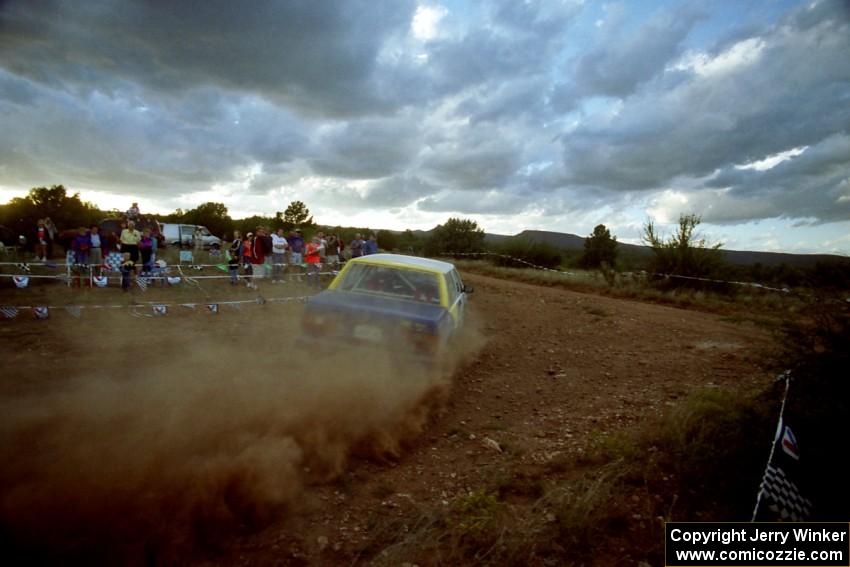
66 211
410 243
600 248
684 253
214 216
250 224
457 235
296 215
388 240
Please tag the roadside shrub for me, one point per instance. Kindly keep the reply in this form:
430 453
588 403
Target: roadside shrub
816 348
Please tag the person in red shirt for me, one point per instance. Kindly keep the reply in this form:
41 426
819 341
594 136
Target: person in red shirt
313 258
247 259
42 238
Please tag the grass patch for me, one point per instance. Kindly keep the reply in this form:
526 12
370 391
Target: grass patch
638 287
613 499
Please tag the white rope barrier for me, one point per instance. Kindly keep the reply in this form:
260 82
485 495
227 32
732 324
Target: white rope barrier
538 267
158 308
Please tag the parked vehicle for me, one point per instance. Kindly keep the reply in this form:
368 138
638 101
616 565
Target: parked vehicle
404 304
183 234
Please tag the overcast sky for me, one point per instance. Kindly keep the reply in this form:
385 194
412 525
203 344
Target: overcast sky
553 115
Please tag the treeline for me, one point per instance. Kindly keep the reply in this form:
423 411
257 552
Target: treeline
684 253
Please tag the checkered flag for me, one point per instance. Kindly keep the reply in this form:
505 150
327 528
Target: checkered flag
9 312
783 498
142 283
112 262
780 497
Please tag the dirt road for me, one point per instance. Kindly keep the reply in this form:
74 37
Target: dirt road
556 372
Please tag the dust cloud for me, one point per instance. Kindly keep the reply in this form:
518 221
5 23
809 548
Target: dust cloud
198 431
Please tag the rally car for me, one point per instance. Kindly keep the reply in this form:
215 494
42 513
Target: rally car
401 303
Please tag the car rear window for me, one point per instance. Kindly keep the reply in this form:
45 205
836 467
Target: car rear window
392 282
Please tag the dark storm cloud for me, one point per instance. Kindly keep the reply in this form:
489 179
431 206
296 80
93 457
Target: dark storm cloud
365 149
512 41
507 108
787 88
476 202
816 183
626 59
318 56
480 165
398 191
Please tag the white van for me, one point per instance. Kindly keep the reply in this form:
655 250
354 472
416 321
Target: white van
175 234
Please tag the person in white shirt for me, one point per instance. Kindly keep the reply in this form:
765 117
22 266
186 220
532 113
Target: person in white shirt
279 246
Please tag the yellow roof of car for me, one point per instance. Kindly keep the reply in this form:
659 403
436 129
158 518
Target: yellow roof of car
402 261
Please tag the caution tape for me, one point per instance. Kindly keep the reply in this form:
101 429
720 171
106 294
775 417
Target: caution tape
642 274
512 258
158 308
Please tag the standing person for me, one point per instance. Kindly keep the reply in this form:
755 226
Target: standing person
258 255
323 246
41 238
234 257
268 249
247 259
279 246
296 248
133 212
130 238
371 245
81 246
97 246
154 247
128 269
52 232
340 244
332 252
356 246
313 257
198 240
296 251
146 250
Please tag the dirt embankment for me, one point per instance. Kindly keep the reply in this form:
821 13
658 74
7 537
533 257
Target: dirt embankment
215 440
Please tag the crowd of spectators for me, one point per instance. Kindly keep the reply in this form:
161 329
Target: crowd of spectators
257 251
257 254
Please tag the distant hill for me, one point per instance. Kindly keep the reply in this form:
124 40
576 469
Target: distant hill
575 243
572 242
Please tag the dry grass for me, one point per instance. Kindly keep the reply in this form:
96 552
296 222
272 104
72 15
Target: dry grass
636 286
